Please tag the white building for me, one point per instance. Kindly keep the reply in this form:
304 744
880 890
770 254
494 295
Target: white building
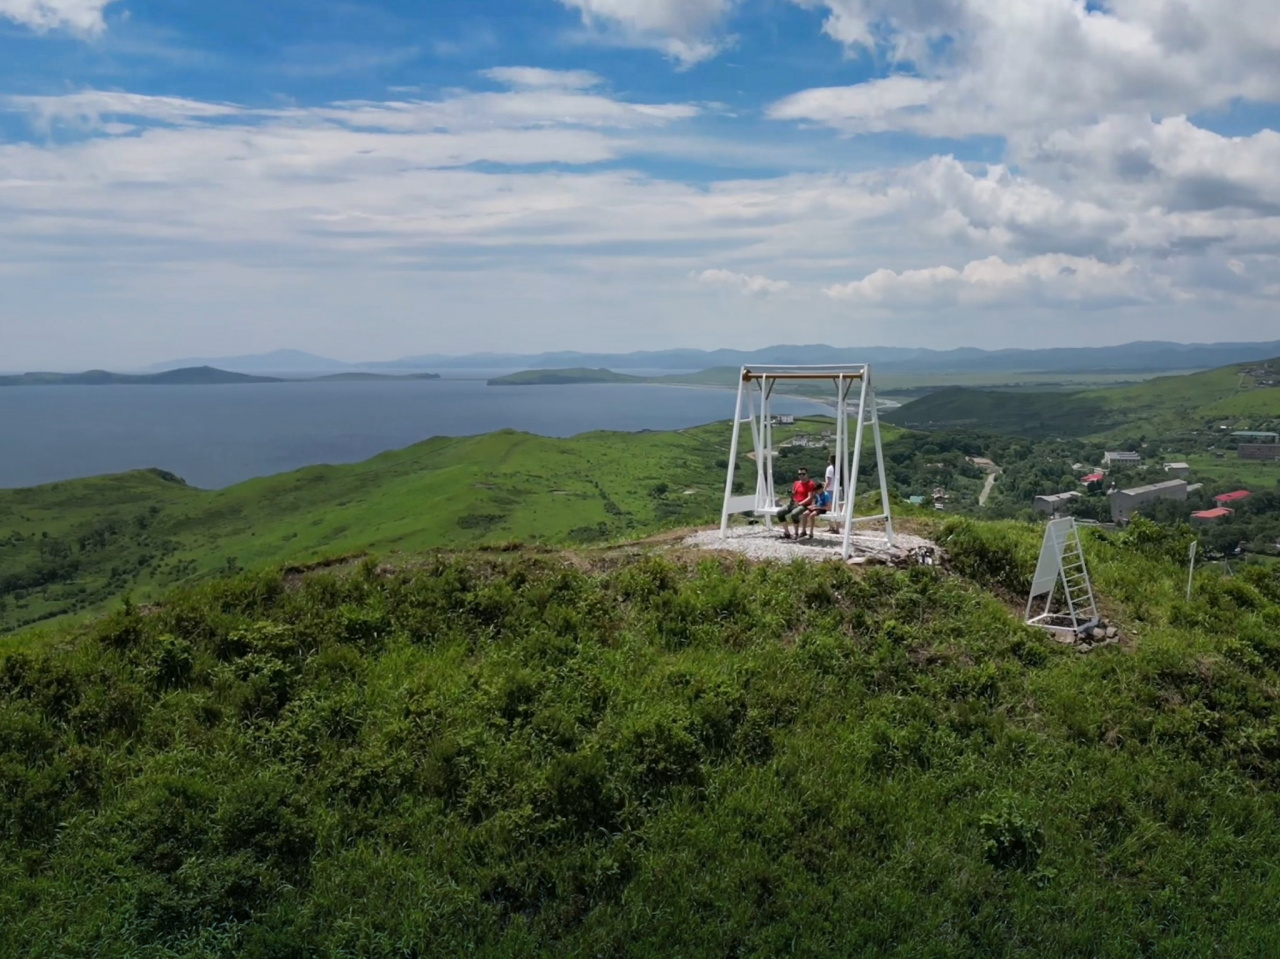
1127 458
1126 502
1181 470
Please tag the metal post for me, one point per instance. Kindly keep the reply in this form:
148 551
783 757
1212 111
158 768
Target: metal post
733 460
1192 571
884 483
853 474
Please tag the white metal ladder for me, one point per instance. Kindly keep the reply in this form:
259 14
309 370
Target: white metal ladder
1075 581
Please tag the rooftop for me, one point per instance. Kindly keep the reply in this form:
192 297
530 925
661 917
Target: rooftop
1177 466
1232 497
1167 484
1257 434
1217 513
1057 497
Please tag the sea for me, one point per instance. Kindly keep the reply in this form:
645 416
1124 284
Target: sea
216 436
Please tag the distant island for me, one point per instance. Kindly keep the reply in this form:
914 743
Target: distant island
191 376
564 377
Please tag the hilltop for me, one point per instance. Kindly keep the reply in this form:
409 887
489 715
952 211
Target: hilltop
626 753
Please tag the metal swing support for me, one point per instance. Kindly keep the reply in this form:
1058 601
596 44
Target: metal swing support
755 394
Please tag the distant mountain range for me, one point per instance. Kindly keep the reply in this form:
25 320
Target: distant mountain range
1139 357
194 376
187 376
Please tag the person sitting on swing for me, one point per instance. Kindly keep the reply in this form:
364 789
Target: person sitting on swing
802 491
821 505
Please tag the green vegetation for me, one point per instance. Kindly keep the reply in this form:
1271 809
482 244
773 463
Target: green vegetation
68 547
1163 406
514 754
563 377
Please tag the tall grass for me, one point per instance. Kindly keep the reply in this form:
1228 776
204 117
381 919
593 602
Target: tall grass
504 754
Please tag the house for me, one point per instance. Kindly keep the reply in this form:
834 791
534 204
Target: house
1122 458
1181 470
1126 502
1224 498
1054 503
1094 480
1204 516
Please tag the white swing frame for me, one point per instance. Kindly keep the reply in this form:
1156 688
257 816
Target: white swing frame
755 394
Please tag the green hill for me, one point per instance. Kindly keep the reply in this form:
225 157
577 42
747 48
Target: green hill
525 754
565 377
69 546
190 376
1165 404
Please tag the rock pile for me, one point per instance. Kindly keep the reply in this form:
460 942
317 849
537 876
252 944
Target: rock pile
1100 634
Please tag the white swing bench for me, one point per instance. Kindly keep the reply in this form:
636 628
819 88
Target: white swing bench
755 394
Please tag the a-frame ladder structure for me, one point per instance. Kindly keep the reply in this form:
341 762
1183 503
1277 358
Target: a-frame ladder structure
1062 564
755 394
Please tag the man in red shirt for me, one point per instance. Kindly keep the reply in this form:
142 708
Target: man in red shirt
801 499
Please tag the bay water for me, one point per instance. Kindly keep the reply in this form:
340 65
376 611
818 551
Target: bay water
215 436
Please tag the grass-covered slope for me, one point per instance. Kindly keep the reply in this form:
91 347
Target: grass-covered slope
66 547
521 755
563 377
1166 404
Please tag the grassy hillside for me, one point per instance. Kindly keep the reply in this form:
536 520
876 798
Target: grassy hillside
563 377
1167 404
68 546
524 755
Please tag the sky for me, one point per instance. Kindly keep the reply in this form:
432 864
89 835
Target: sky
369 180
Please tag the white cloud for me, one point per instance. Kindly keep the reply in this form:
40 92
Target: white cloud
1050 279
685 30
999 66
316 205
536 78
91 108
747 284
80 16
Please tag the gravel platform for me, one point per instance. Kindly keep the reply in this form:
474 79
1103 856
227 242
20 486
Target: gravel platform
756 542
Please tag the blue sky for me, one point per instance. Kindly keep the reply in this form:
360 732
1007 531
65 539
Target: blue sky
370 180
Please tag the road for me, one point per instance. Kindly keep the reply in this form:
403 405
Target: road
992 472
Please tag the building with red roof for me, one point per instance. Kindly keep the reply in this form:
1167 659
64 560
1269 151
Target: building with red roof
1235 497
1211 515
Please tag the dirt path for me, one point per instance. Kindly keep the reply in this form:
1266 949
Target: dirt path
992 472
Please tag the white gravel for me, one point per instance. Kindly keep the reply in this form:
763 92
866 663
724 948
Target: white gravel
755 542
